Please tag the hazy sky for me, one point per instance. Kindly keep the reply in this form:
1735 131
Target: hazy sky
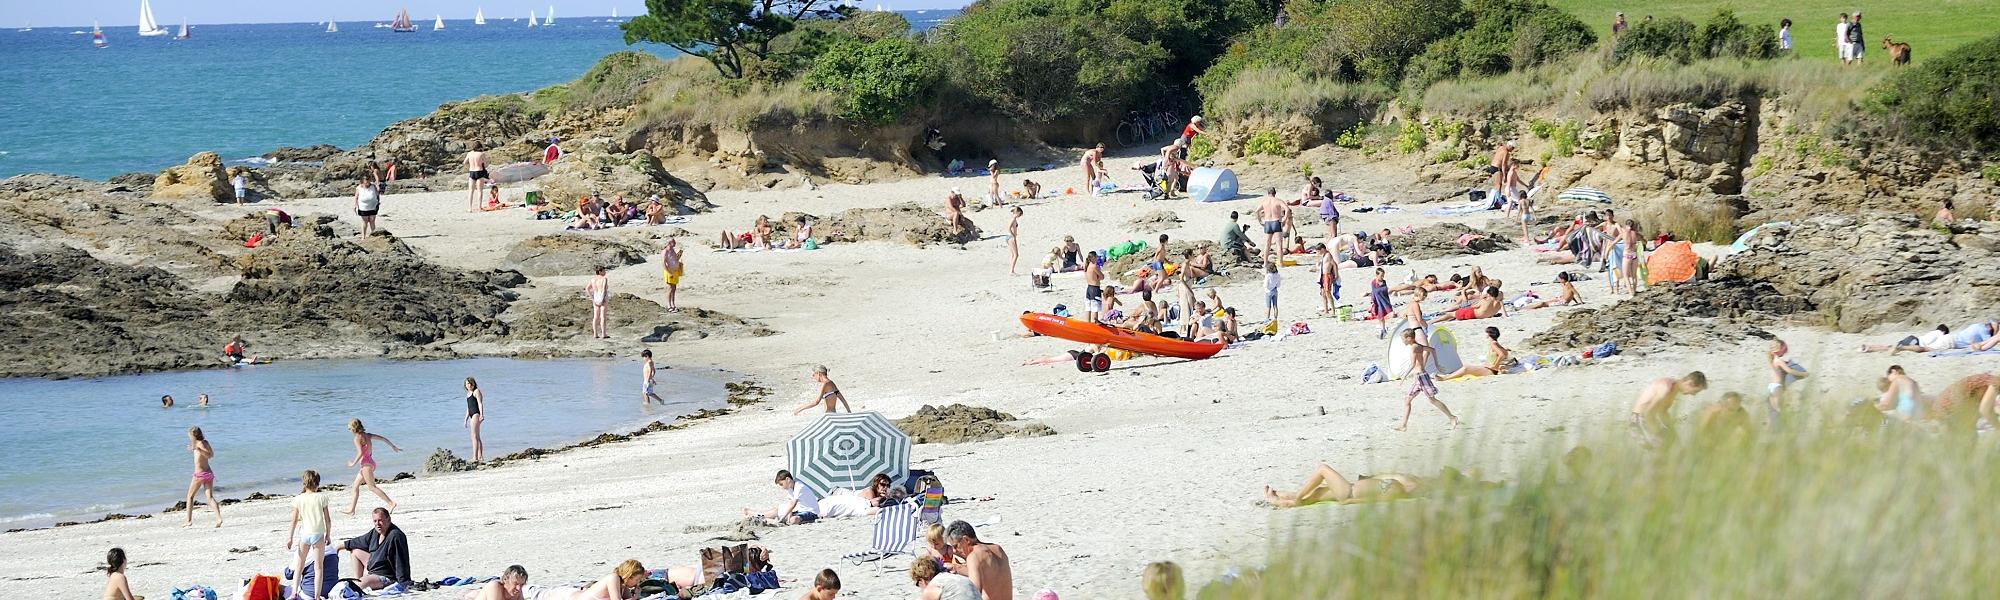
13 13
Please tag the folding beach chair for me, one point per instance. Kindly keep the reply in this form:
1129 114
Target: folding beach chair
895 531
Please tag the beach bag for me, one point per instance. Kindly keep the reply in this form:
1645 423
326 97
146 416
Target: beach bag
193 592
262 587
1300 328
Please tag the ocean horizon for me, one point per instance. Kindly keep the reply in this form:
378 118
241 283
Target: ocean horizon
243 90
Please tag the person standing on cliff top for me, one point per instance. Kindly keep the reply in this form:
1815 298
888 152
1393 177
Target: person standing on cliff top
475 167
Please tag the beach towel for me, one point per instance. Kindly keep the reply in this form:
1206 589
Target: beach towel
1585 194
1742 243
1454 211
1674 261
1962 352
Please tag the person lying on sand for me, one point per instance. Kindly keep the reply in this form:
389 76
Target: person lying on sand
1930 341
1428 283
801 505
626 577
1328 485
1652 413
1487 306
759 236
1567 297
507 587
1499 360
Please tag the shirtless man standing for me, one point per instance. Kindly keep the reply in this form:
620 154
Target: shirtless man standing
475 167
1655 406
993 183
1503 155
1271 212
985 564
1093 280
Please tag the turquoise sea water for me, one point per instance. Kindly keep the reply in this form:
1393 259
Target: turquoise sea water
143 104
80 448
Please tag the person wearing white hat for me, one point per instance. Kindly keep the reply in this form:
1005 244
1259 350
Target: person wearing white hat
1192 129
993 182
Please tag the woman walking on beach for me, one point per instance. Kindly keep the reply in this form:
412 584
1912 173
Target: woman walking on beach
671 269
309 507
367 202
599 291
116 586
364 457
204 477
828 393
1014 240
475 414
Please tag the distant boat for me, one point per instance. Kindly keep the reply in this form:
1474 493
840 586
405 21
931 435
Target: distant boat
878 8
614 15
402 23
438 25
97 36
549 19
332 27
26 26
147 27
184 30
531 17
381 25
479 16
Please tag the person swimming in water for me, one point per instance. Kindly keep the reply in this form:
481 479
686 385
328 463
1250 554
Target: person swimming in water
364 458
828 393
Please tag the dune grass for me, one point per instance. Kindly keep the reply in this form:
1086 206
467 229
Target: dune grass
690 91
1815 511
1930 27
1275 92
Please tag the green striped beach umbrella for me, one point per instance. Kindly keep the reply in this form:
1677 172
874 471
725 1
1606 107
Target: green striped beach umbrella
844 450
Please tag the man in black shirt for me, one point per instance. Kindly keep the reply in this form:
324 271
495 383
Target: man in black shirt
383 550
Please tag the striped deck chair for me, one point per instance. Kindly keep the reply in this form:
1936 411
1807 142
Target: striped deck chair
896 529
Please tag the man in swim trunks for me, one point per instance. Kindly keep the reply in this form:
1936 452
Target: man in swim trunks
475 167
1652 415
647 371
1503 155
1488 305
1899 395
1420 380
1093 294
1271 213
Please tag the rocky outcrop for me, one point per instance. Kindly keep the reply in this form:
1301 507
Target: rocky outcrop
435 143
1706 146
202 178
69 313
313 153
444 461
594 169
1441 240
631 317
1154 221
959 424
1723 310
908 223
572 254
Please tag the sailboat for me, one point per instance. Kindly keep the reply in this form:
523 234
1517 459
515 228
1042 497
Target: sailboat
438 25
26 26
96 36
549 19
147 27
614 15
402 23
184 30
479 16
332 27
531 17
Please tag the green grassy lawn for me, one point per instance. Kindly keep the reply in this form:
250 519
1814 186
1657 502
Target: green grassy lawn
1929 26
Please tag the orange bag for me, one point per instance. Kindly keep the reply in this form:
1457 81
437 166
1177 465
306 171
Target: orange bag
263 587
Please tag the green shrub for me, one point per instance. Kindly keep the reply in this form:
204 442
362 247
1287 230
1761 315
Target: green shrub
1444 156
1541 129
1410 138
1502 128
1565 137
1452 130
1504 35
1265 142
1955 96
1202 147
1991 172
1354 138
1679 40
1035 62
876 82
618 79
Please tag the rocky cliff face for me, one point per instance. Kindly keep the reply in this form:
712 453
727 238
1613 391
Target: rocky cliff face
202 178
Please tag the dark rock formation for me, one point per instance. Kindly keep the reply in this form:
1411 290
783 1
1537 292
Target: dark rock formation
908 223
958 424
572 254
1441 240
313 153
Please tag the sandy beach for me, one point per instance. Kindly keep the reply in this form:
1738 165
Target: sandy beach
1156 460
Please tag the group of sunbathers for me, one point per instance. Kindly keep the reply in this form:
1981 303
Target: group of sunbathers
761 235
593 212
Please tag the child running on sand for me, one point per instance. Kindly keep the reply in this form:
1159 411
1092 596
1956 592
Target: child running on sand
1420 382
309 507
204 477
599 291
116 586
1652 413
648 397
1783 373
828 393
364 458
1013 239
671 269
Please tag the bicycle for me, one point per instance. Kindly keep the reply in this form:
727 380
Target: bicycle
1133 130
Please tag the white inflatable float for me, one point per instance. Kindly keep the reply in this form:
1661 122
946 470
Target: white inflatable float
1444 346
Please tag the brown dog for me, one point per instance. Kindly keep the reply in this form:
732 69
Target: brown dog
1899 53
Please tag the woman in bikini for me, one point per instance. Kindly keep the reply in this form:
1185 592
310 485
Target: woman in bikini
599 290
1500 360
877 491
1328 485
671 269
621 584
364 457
828 393
204 477
475 414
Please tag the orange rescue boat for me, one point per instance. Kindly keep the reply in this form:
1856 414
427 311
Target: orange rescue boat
1077 330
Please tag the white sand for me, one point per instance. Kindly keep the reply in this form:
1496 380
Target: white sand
1158 460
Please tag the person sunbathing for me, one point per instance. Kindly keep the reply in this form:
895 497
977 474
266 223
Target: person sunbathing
802 232
1499 360
1429 284
1368 258
1567 297
615 212
1328 485
759 236
1967 400
586 215
507 587
656 212
1488 305
1144 317
625 577
1198 264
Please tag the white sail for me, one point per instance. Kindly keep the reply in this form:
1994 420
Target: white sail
549 19
438 25
531 17
148 27
332 27
184 30
479 16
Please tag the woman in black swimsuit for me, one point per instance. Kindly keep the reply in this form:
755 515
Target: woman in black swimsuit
475 413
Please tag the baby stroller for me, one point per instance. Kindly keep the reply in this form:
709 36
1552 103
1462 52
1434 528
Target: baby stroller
1150 171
